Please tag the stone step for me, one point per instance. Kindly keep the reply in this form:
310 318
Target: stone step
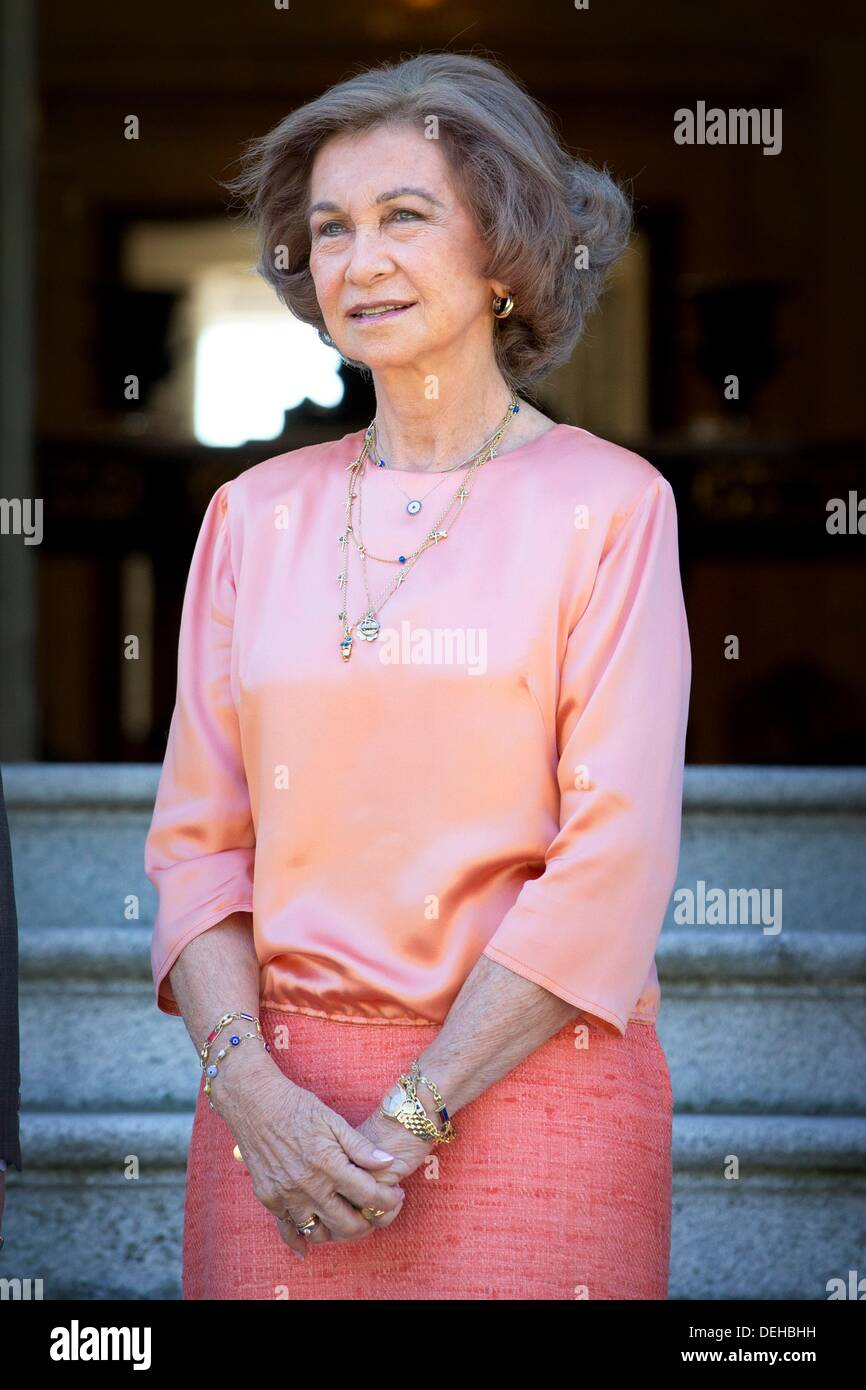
78 841
733 1005
790 1221
764 1031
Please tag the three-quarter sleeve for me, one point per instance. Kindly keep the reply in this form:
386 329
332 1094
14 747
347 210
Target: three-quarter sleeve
587 927
200 849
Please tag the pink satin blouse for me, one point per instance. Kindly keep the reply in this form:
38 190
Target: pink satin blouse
499 772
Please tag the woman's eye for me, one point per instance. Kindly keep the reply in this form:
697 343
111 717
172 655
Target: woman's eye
399 212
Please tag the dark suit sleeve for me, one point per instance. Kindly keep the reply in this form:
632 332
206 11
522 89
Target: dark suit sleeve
10 1079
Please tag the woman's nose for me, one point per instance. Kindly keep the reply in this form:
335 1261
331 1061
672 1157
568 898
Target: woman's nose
368 253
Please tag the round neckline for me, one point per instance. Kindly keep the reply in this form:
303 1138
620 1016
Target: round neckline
521 449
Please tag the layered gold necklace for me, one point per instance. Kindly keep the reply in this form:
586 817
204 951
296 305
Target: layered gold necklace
367 625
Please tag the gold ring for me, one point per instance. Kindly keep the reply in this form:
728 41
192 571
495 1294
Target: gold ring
308 1226
369 1212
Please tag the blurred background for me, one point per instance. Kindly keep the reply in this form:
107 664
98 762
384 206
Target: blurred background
143 362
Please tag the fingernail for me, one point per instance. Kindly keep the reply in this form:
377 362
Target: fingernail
297 1254
380 1153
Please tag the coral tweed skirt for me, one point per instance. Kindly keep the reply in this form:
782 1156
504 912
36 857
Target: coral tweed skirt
557 1185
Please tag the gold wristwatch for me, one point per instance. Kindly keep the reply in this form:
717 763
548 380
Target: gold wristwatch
402 1104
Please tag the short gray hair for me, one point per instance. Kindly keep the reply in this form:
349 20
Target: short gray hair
534 204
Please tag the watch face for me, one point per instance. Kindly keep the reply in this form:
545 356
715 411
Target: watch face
393 1100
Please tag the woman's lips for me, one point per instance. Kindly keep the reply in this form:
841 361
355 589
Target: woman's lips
380 318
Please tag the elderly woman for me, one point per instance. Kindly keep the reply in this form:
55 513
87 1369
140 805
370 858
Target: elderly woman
415 834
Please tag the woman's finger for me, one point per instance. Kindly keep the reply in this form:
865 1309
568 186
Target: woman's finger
343 1219
288 1229
363 1152
359 1185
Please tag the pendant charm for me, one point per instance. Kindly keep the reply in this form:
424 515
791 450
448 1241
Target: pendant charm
346 648
413 508
368 628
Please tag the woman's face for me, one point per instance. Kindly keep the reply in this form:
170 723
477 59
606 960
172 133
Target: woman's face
375 243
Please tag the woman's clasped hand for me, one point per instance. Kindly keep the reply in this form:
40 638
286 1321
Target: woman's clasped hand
305 1158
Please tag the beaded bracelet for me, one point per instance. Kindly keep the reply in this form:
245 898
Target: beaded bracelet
211 1069
223 1023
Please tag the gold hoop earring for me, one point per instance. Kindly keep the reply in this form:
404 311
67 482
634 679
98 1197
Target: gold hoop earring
505 304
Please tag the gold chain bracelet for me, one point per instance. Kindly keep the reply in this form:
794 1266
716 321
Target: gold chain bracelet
410 1111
